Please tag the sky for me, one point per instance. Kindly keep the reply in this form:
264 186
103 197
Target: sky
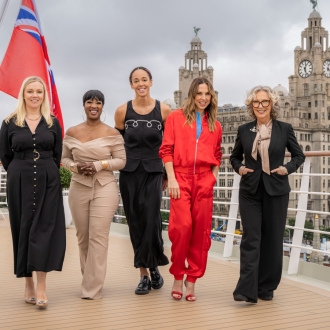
95 45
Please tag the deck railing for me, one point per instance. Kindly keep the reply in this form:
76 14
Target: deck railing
296 245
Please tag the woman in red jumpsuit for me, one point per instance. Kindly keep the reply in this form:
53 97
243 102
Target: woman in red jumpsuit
191 153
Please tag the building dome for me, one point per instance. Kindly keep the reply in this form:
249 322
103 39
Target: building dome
181 67
317 45
281 89
210 67
298 48
315 14
171 104
195 40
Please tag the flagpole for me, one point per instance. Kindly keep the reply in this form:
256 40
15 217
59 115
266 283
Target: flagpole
3 10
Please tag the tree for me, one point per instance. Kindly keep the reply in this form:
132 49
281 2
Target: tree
324 235
65 177
308 235
165 217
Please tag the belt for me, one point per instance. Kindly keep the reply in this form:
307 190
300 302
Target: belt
190 170
33 154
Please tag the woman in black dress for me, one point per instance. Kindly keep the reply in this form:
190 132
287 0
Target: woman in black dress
141 122
30 151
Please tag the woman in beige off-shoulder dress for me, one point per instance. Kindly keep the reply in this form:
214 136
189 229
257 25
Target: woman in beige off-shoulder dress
92 151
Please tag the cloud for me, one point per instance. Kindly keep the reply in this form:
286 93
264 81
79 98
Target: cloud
95 44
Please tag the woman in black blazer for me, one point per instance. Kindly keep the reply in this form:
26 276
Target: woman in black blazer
263 194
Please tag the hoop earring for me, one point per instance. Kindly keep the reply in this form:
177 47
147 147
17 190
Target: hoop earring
105 116
82 115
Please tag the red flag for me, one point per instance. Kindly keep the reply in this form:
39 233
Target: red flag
27 56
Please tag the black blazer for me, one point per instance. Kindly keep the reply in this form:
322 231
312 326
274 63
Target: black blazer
282 137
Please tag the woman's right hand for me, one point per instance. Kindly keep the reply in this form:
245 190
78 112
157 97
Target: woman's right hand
173 188
245 170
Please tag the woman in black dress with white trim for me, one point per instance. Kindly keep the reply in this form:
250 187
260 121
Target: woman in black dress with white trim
30 151
141 122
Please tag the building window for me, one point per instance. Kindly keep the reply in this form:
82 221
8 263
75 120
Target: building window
223 139
316 104
296 183
299 104
322 103
308 148
229 193
323 137
306 90
309 104
322 115
306 125
323 160
323 183
315 87
230 182
309 115
222 183
315 115
222 194
323 146
323 207
230 150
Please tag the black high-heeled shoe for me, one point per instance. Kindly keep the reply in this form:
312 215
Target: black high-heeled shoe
144 286
157 280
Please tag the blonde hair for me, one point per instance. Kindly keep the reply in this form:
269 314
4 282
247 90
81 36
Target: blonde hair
20 112
250 96
189 106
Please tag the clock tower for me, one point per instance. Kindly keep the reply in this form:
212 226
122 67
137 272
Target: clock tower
195 66
310 85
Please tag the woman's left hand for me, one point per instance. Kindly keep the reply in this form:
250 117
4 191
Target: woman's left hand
164 184
90 169
280 170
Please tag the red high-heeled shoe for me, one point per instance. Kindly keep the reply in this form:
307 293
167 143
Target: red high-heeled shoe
178 293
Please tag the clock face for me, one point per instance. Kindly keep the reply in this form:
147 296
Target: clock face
305 69
326 68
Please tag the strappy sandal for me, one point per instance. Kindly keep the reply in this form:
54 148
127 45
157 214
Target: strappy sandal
178 293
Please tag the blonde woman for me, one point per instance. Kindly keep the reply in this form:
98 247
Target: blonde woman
263 193
30 151
191 153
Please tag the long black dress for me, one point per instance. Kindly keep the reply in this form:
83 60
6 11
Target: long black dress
34 195
140 186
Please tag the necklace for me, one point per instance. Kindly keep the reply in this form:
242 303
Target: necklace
92 129
32 119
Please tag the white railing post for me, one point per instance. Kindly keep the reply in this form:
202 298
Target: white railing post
300 220
233 210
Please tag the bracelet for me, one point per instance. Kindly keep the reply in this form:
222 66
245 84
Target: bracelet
72 167
104 164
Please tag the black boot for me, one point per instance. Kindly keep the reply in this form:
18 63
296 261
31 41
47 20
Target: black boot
157 280
144 286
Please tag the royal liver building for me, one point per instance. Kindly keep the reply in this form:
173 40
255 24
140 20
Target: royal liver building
306 105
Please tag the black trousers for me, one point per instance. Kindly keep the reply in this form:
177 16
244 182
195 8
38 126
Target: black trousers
141 193
263 219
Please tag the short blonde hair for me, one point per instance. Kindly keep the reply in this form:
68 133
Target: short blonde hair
20 112
275 108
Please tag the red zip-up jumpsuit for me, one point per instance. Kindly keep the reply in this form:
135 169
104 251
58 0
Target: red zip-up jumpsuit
191 214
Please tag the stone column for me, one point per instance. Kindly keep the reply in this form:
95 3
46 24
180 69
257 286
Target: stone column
316 256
